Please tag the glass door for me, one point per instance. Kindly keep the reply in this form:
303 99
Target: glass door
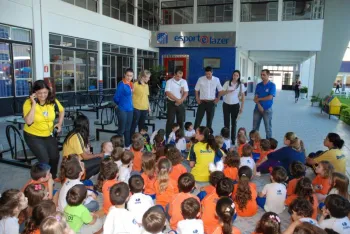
173 62
6 78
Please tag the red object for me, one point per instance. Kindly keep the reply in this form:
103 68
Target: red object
46 68
166 65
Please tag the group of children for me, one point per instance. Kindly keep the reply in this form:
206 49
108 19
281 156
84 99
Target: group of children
150 186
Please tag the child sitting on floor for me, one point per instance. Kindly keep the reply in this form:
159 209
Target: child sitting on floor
273 195
232 162
55 223
247 160
265 150
191 223
107 148
176 159
323 181
242 140
214 178
297 171
189 131
35 193
137 148
340 185
172 137
225 133
255 143
117 141
126 167
269 223
180 141
117 155
146 138
153 221
149 175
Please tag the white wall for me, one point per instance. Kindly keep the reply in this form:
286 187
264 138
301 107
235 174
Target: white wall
203 27
300 35
307 74
17 13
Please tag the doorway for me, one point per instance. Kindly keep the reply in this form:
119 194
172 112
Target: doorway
173 62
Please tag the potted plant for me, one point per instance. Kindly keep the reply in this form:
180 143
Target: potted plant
315 100
303 92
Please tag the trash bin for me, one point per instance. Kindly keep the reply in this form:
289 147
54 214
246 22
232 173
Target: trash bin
331 105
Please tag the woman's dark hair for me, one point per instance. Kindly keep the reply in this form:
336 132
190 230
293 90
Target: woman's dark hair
108 171
40 84
9 201
238 80
81 127
269 223
209 139
336 140
297 169
243 194
304 189
40 212
225 210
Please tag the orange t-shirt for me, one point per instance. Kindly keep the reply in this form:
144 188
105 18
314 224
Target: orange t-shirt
231 172
256 147
209 218
163 198
36 231
240 149
263 155
324 183
175 208
149 184
177 171
252 207
291 198
105 193
292 184
46 184
137 164
209 189
218 230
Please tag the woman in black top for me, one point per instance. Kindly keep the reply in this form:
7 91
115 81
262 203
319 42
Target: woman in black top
297 90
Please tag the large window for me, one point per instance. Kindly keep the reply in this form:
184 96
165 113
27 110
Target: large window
148 17
211 11
303 9
119 9
259 10
115 60
177 12
73 63
146 60
87 4
16 65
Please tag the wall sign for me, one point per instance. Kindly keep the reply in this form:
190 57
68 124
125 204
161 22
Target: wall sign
193 39
211 62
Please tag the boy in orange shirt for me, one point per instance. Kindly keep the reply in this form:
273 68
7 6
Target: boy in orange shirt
40 174
186 185
232 161
223 189
214 178
110 174
136 148
297 170
174 155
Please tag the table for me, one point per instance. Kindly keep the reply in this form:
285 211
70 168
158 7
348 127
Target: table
97 100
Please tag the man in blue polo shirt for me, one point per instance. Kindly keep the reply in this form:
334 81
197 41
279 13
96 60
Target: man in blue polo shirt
265 91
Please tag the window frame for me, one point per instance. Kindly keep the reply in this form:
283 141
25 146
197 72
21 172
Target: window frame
212 7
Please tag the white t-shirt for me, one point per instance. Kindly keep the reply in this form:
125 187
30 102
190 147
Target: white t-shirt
309 220
62 202
119 221
333 191
275 197
342 226
9 225
247 161
138 204
124 174
227 143
145 232
232 97
190 133
181 144
190 226
176 87
172 137
207 88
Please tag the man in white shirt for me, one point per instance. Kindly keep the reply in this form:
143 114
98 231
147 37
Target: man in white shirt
206 97
176 90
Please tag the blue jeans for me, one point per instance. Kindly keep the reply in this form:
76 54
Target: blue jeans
261 201
92 206
124 125
138 120
267 117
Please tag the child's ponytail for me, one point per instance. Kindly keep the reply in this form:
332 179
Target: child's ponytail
243 194
164 166
212 143
304 189
225 209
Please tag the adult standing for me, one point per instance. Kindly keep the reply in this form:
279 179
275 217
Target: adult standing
334 154
176 90
39 113
77 142
140 101
205 90
233 92
265 91
125 109
297 90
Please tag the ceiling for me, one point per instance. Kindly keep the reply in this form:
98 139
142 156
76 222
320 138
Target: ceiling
279 57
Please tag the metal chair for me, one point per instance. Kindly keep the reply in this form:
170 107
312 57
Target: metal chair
108 116
20 155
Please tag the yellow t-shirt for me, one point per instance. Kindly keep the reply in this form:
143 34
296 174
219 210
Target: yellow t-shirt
74 146
140 96
336 157
44 118
202 158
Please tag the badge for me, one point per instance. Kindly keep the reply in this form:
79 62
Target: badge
45 113
267 90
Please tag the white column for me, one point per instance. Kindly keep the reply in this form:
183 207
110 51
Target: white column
135 63
195 11
99 64
37 53
343 83
136 12
280 10
100 7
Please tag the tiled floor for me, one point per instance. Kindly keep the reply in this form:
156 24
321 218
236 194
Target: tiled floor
309 124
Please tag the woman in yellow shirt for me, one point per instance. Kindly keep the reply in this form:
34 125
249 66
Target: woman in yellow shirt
334 155
77 142
39 113
140 101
